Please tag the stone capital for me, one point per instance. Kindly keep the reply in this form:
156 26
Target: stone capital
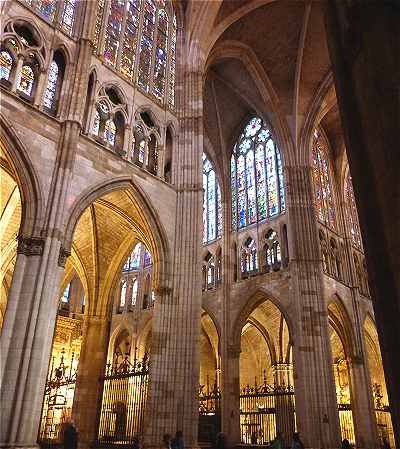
30 246
63 256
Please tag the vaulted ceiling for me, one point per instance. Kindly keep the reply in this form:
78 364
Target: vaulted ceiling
103 238
264 57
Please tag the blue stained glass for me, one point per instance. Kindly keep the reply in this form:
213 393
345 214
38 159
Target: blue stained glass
251 188
51 89
219 211
281 182
212 204
135 257
263 135
211 218
271 179
47 8
96 123
110 132
204 208
6 64
241 191
147 260
253 127
257 180
260 173
233 188
245 145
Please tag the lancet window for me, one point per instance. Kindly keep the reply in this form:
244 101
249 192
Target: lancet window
212 204
256 176
136 278
6 64
323 191
138 38
54 82
145 144
351 213
109 118
272 251
249 257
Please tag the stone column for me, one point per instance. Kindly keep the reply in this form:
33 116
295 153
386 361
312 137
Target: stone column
26 339
88 389
231 394
316 409
363 40
362 404
174 376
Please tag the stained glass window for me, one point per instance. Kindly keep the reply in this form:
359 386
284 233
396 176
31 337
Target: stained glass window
140 41
26 80
110 132
98 23
122 299
6 64
47 8
96 123
249 259
147 260
51 89
351 213
113 31
135 257
256 176
212 205
323 193
134 292
171 93
160 64
65 296
68 15
146 45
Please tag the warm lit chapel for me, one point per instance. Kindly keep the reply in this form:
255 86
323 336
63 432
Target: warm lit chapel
200 224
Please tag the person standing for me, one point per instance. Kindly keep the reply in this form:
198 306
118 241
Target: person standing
277 443
70 436
167 441
177 442
296 442
220 442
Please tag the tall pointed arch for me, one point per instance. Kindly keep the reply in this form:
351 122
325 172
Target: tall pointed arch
256 176
352 221
322 180
212 204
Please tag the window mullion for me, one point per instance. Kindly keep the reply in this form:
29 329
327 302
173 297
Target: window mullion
122 38
255 180
139 42
266 193
278 184
153 54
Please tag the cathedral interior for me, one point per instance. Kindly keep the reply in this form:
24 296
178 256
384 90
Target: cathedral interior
199 222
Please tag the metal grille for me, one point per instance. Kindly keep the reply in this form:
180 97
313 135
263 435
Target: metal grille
383 417
125 387
58 398
266 410
209 412
346 423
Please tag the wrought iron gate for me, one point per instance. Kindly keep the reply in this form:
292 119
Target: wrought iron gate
266 410
346 423
58 398
209 412
125 387
383 417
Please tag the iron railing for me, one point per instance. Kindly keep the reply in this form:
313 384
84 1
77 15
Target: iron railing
125 388
266 410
